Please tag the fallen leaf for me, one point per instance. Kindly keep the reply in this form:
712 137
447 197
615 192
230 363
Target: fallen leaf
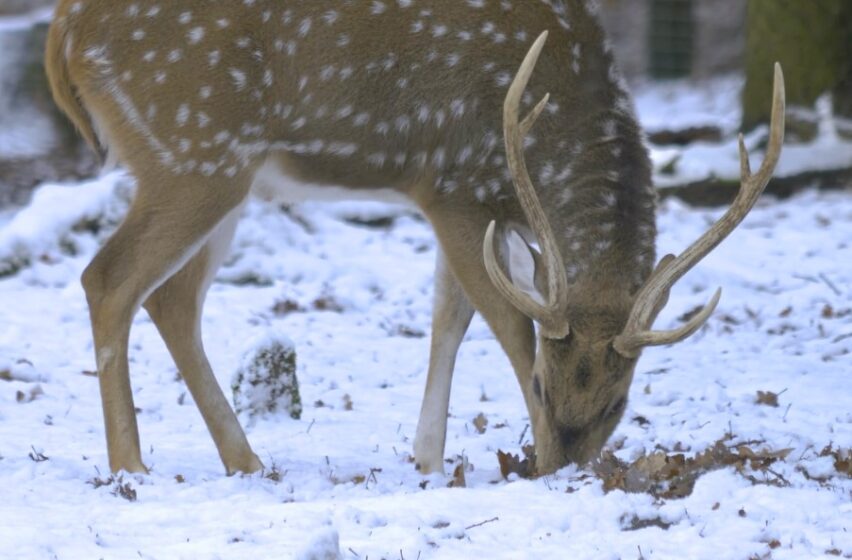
672 475
480 423
285 307
327 303
510 463
842 459
767 398
29 396
458 480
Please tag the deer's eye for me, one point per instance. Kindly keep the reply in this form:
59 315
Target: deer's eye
613 362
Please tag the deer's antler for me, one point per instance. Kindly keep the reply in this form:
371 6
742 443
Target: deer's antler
552 314
654 294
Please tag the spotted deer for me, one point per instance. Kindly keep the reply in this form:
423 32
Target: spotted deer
552 227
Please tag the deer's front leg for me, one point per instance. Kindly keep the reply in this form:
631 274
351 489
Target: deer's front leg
451 317
460 232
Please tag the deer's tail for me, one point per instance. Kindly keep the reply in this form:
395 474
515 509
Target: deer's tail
63 88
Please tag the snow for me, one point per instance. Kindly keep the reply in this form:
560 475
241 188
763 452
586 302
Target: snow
26 21
25 131
688 104
351 285
716 103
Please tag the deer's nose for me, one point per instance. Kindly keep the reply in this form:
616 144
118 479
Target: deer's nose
569 436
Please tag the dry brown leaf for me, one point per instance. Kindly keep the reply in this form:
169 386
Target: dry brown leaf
29 396
510 463
327 303
636 523
672 475
458 480
480 423
767 398
842 459
611 470
286 306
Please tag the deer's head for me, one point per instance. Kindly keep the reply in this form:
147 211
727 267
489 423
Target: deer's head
591 337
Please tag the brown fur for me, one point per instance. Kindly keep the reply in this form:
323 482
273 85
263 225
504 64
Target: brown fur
440 146
64 90
194 96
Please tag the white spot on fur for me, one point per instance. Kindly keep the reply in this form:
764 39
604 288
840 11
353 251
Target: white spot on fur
238 77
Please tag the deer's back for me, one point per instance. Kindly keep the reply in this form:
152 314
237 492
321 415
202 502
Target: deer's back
367 94
381 88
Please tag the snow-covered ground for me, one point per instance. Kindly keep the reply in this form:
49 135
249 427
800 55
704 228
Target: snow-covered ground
342 478
680 105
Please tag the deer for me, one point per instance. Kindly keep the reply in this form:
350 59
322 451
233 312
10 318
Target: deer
547 232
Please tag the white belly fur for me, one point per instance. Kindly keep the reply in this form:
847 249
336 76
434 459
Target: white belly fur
272 183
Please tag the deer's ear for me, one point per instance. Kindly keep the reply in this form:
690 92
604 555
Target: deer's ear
523 262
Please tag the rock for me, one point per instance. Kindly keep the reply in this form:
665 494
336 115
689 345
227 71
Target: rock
324 544
266 381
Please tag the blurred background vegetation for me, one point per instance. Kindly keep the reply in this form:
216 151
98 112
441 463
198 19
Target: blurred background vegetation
813 42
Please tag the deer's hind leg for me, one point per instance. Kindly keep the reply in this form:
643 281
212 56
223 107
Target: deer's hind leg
176 307
170 220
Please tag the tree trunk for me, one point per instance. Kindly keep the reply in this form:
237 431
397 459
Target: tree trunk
811 39
843 88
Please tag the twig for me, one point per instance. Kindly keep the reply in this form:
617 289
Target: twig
372 476
523 433
830 284
779 476
481 523
842 336
808 448
810 279
747 442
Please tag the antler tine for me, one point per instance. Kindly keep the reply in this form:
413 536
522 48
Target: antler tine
529 121
654 293
551 315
